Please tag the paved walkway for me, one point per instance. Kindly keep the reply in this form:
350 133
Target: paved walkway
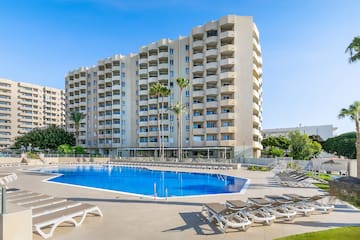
130 217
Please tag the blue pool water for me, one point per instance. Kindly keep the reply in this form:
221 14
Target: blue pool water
141 180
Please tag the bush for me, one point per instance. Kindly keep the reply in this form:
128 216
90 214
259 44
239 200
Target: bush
258 168
32 155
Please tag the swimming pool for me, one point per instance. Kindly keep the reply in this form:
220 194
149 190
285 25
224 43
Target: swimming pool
143 181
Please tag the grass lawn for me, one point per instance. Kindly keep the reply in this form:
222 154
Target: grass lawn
344 233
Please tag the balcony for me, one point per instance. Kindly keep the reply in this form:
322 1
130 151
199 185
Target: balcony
143 71
198 56
152 80
229 19
213 104
197 81
212 39
198 30
256 95
109 107
212 66
227 75
153 112
212 117
198 93
227 34
228 129
256 107
256 47
152 58
116 87
153 123
256 83
143 92
163 55
163 66
143 134
213 130
198 131
225 143
211 91
143 81
256 120
257 145
211 79
227 62
227 102
198 106
152 101
198 118
198 69
198 43
143 123
212 52
256 132
229 115
153 69
143 102
229 48
227 89
163 77
143 61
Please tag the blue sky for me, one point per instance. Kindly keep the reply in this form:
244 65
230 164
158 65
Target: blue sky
306 75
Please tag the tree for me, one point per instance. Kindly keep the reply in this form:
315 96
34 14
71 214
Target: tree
302 147
177 109
274 151
155 90
65 148
47 139
182 83
76 117
164 92
280 142
353 112
342 145
354 50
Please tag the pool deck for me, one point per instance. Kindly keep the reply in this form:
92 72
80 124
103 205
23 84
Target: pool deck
133 217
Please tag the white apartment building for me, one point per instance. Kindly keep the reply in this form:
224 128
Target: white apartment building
324 131
223 116
25 106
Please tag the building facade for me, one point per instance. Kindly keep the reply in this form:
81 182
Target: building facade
324 131
223 103
25 106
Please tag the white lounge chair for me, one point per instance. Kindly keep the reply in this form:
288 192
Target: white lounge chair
318 202
226 217
281 209
54 219
53 208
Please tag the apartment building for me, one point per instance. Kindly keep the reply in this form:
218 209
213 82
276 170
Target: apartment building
323 131
223 115
25 106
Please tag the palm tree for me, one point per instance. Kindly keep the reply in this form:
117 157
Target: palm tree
76 117
354 50
354 113
164 92
182 83
177 109
155 90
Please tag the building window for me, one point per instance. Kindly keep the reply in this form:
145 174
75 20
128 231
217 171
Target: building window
187 70
171 51
187 59
171 73
94 74
171 61
187 47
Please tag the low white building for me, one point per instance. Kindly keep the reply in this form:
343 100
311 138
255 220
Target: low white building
324 131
